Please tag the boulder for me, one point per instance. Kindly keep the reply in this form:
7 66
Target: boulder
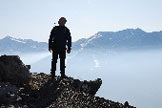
8 93
13 70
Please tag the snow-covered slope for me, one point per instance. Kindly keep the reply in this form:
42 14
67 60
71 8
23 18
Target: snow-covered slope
125 39
13 45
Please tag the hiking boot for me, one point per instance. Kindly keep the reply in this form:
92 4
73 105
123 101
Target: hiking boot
64 76
52 75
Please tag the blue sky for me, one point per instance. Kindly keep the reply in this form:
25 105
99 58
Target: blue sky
34 18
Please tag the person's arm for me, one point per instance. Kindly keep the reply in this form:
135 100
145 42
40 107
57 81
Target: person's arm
69 41
51 39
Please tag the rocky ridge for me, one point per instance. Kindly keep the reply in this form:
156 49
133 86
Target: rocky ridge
21 89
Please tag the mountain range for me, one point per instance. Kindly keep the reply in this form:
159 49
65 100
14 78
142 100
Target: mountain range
9 45
124 39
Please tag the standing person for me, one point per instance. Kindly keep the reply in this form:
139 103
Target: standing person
59 43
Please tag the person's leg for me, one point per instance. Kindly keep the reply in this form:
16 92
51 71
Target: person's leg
54 62
62 56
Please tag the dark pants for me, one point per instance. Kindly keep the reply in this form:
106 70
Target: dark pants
62 56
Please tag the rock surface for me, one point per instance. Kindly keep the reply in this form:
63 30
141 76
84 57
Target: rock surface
40 91
13 70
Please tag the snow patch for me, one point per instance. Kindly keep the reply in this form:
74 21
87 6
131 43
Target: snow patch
17 40
90 39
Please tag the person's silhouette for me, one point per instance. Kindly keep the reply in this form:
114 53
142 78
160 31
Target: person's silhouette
59 43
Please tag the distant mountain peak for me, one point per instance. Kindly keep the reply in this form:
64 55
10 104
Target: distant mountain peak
7 37
10 44
127 38
139 30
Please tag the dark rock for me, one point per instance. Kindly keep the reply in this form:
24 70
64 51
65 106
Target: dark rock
126 104
28 66
91 87
13 70
8 93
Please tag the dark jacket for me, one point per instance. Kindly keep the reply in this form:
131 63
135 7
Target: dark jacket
60 37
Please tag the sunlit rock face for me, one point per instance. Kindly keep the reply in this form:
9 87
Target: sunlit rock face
41 91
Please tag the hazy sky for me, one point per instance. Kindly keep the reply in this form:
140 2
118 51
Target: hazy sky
34 18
